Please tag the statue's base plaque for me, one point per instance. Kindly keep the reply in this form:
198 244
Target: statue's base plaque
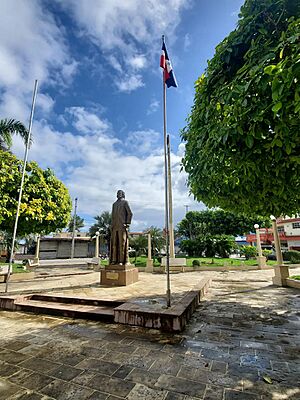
119 275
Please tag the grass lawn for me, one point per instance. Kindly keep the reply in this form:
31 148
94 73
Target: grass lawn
220 262
297 277
16 268
139 262
207 262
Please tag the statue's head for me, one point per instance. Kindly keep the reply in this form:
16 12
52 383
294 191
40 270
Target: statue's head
120 194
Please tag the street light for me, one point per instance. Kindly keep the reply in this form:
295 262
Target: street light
258 243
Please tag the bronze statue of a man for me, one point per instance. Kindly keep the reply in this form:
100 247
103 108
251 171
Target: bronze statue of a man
121 219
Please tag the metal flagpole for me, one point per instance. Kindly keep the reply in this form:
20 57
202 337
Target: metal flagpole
171 228
22 182
166 190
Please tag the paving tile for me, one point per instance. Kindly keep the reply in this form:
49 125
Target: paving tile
98 396
39 364
104 367
142 376
13 357
65 372
213 393
236 395
180 385
123 371
7 370
144 392
16 345
219 366
26 395
113 386
175 396
61 390
7 389
33 381
84 377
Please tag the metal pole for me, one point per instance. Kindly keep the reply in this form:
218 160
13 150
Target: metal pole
22 182
171 228
166 190
74 226
186 209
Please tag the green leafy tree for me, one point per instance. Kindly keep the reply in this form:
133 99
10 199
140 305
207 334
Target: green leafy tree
209 246
218 222
139 244
9 127
157 240
243 134
46 203
79 223
102 224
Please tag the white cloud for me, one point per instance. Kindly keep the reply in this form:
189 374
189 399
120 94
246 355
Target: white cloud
186 42
142 142
86 122
95 166
137 62
129 83
121 28
32 47
153 107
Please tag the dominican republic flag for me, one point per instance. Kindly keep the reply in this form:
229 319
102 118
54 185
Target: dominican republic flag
165 63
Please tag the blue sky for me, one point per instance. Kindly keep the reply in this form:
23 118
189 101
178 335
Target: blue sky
98 121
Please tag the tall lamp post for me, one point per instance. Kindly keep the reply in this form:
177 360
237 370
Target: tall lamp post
261 259
281 270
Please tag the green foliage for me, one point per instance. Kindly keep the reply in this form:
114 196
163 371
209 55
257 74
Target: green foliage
79 223
139 244
266 253
248 251
102 225
8 127
196 263
218 222
45 205
157 241
210 246
292 255
297 277
243 134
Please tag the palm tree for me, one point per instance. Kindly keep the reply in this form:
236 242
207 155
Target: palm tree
8 127
102 225
79 223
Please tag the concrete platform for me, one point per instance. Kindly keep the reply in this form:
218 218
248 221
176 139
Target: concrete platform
147 312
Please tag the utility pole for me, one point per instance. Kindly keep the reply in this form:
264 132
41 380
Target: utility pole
74 226
186 208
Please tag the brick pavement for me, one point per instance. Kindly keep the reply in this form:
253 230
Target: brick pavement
244 335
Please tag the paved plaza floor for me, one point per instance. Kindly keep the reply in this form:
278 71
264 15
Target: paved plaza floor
241 343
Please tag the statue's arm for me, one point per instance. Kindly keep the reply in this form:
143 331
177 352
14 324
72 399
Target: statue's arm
128 214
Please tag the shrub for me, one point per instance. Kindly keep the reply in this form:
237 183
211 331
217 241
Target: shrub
196 263
249 251
292 255
266 253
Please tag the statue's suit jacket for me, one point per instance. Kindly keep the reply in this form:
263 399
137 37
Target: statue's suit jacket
121 214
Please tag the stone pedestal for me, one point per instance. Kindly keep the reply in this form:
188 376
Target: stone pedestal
262 262
281 275
119 275
149 266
